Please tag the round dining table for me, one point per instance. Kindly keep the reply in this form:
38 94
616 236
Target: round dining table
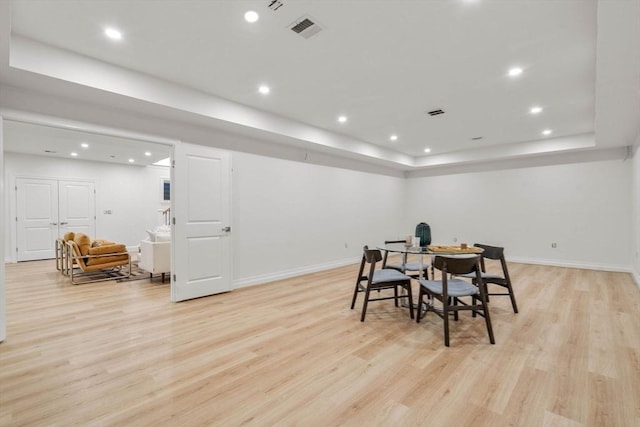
431 250
461 250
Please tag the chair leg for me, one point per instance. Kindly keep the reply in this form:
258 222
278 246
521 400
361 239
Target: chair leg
364 304
455 312
355 295
395 295
410 298
474 302
420 296
445 318
487 316
513 297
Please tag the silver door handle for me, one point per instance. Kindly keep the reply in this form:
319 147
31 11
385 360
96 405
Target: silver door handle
53 223
226 229
64 223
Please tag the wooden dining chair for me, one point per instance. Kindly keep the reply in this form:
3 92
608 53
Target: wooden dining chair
450 291
379 279
495 253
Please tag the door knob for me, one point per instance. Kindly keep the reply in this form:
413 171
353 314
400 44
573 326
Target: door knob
53 223
226 229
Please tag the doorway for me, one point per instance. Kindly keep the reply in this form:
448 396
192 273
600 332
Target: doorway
200 177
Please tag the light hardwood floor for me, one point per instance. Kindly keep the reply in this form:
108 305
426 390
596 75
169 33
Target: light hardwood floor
293 353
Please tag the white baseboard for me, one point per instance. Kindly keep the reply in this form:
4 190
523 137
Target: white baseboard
570 264
280 275
272 277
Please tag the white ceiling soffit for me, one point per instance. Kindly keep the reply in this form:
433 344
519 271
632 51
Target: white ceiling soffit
385 74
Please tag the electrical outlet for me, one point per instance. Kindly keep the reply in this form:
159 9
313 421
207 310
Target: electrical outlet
346 246
554 245
455 239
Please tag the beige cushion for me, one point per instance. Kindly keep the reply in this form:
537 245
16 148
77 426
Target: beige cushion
101 242
110 260
108 249
69 235
84 243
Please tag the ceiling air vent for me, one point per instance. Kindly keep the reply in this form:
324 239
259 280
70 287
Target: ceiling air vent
477 138
435 112
305 26
275 5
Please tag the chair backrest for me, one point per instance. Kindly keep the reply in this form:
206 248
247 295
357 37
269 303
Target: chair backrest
490 252
495 253
386 253
369 256
372 255
457 266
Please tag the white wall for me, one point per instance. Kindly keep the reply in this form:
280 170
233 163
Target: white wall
583 207
3 305
292 217
635 197
132 193
289 217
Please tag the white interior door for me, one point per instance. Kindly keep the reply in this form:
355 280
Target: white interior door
201 211
48 208
36 218
77 207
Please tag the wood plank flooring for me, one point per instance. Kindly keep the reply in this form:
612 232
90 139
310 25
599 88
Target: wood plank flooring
293 353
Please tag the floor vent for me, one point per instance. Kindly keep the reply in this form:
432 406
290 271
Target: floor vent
435 112
305 26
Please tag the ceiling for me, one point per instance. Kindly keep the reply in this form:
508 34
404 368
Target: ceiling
382 64
54 141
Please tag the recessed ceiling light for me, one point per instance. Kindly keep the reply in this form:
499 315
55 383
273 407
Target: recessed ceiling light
251 16
264 89
84 145
131 160
393 137
547 132
113 34
427 150
342 119
515 71
147 153
535 110
74 154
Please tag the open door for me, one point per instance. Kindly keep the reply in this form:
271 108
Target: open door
201 211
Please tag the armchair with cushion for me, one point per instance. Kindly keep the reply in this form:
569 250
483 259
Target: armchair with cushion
95 260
